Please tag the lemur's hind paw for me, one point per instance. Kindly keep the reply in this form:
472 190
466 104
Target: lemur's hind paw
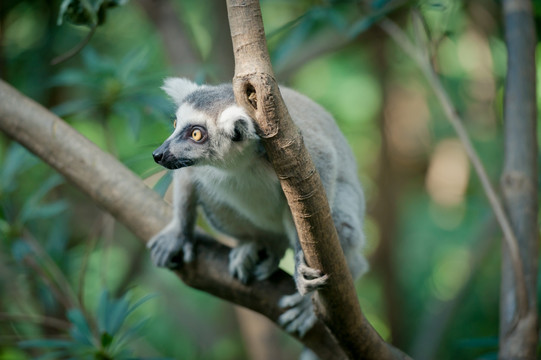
300 316
251 261
166 245
309 279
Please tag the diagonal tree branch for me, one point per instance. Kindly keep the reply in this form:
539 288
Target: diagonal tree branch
120 192
257 91
420 56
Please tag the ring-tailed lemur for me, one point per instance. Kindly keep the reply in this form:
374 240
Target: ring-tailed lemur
221 166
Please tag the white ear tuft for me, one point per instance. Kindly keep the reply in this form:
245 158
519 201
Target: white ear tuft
178 88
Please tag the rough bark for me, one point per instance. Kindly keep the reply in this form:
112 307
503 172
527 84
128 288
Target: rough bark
257 91
120 192
519 326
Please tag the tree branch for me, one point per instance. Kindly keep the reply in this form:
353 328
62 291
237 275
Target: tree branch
257 91
120 192
422 60
519 325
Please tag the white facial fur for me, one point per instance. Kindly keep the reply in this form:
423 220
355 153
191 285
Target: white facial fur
227 119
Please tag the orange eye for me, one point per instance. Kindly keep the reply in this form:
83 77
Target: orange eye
175 124
196 134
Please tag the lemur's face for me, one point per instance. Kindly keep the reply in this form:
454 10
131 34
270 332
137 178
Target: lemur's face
210 129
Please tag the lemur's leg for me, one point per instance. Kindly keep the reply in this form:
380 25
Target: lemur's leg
177 236
300 316
348 213
258 259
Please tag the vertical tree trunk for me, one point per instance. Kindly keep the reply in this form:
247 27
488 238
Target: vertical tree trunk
518 327
257 91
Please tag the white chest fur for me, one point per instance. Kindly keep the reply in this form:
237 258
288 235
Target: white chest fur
253 193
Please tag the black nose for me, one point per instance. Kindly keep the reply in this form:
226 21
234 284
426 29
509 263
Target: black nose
157 155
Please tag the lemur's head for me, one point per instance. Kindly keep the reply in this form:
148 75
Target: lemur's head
210 128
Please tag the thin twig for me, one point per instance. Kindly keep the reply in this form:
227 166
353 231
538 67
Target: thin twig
57 276
65 300
71 53
398 35
43 320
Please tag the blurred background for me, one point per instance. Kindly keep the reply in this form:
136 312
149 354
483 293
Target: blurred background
67 268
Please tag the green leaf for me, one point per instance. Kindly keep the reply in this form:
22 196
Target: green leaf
102 311
361 26
45 211
296 37
111 313
69 77
72 107
130 333
132 115
20 249
132 63
16 162
80 331
46 343
142 300
32 209
335 18
118 315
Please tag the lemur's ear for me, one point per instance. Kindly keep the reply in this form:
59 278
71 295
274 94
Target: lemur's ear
240 131
178 88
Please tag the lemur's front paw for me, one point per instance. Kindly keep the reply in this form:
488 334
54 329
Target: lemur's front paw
300 316
251 261
166 245
308 279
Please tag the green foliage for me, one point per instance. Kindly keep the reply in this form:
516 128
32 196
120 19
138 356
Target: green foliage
111 88
109 341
